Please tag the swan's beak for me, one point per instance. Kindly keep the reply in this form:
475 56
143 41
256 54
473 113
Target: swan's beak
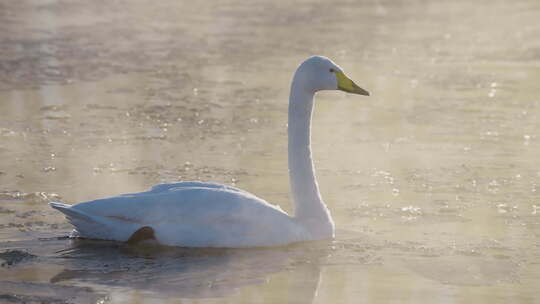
347 85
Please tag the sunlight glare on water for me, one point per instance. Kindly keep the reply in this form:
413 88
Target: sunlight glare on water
433 181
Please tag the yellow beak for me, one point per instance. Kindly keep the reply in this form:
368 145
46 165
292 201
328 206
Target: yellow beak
347 85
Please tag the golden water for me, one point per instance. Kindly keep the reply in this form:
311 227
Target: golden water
433 181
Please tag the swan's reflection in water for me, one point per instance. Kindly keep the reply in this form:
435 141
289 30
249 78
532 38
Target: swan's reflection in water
192 273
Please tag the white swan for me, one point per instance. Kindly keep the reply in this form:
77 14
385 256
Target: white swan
198 214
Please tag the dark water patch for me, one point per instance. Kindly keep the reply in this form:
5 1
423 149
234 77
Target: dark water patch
6 211
25 292
12 257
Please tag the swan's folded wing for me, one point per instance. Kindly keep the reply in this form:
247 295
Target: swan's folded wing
200 217
180 204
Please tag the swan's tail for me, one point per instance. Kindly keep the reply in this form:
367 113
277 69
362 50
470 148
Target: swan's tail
90 226
71 213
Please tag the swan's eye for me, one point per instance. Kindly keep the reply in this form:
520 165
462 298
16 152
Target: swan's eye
332 70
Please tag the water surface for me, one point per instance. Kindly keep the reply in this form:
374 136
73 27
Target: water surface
433 181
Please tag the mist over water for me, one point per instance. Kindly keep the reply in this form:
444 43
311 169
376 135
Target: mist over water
433 180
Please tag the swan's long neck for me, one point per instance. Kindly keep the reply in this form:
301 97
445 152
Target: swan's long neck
309 207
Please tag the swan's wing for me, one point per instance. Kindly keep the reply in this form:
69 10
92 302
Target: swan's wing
179 202
200 216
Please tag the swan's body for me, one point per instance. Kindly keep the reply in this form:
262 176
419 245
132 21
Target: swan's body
197 214
191 214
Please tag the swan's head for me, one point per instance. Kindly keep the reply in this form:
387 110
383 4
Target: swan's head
319 73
